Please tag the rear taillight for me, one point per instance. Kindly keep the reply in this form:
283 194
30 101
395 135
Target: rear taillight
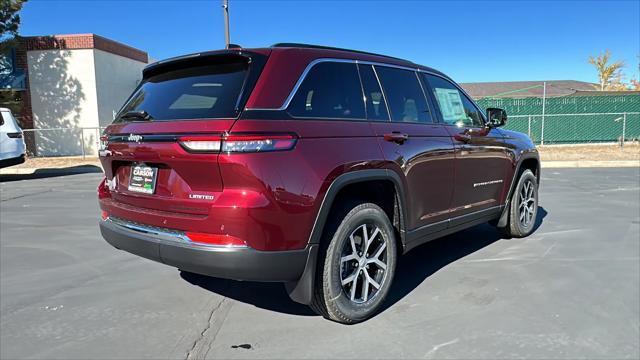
15 135
103 189
245 143
257 143
200 143
215 239
104 141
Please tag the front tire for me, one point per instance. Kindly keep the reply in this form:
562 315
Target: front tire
523 207
356 266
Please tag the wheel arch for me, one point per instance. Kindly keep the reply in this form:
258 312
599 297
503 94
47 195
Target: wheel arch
528 161
302 290
336 191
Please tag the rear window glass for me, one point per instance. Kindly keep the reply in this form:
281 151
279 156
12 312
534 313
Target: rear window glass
330 90
202 92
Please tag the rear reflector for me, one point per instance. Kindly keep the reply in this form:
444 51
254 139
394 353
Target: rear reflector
215 239
104 215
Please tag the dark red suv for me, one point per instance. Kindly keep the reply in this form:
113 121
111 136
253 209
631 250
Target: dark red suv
312 166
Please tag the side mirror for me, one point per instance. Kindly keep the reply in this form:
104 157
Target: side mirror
496 117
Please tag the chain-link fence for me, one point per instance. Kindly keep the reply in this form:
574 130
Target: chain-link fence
578 128
573 119
83 142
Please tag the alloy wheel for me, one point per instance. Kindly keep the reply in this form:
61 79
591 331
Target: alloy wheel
527 203
363 264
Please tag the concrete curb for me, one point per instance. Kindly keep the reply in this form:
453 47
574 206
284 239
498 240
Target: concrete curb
48 171
545 164
590 164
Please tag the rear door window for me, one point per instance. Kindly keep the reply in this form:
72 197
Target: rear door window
404 94
373 96
330 90
202 92
455 107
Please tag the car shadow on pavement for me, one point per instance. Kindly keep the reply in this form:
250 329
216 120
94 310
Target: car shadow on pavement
413 269
270 296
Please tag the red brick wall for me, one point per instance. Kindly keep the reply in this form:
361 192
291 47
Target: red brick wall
26 115
84 41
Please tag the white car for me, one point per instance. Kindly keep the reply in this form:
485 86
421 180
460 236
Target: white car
12 148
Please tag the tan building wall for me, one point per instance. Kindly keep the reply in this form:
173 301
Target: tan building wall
75 82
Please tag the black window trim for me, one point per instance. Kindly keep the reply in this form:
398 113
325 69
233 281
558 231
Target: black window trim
384 95
294 90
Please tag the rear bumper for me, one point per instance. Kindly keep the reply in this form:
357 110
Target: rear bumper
12 161
238 263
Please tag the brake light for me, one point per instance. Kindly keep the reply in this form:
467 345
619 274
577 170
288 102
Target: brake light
257 143
216 239
238 143
200 143
15 135
104 141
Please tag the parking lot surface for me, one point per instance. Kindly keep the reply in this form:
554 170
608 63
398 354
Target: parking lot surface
572 289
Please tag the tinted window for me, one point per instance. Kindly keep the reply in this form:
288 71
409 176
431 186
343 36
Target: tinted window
455 107
374 99
191 93
404 95
330 90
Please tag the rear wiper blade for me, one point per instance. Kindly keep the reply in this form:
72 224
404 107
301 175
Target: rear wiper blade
139 115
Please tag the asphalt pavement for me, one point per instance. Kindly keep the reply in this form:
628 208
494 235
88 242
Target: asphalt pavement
570 290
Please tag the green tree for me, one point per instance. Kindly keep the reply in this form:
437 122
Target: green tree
609 74
9 23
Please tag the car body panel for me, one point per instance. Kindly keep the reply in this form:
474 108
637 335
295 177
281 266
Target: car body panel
10 147
426 161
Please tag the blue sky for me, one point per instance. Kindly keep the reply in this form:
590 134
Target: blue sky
469 40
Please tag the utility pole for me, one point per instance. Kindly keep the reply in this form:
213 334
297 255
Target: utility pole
544 103
225 8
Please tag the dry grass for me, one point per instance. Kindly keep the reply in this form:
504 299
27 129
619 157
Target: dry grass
631 151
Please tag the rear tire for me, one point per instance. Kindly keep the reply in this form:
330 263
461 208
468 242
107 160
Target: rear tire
523 207
356 265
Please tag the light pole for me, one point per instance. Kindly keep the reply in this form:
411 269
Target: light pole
225 9
544 103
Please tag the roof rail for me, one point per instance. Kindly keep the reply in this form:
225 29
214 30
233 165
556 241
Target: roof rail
310 46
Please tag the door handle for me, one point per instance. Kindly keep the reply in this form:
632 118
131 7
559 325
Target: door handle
396 137
463 137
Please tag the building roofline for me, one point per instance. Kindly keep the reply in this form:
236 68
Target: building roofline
83 41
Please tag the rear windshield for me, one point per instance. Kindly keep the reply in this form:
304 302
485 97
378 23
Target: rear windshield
202 92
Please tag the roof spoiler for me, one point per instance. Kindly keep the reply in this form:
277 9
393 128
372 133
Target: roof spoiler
198 59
